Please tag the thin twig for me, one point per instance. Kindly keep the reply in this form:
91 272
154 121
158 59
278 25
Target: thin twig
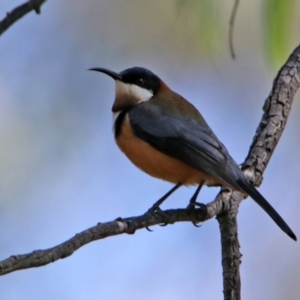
231 27
18 12
100 231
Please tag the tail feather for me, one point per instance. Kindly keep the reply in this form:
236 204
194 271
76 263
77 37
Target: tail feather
266 206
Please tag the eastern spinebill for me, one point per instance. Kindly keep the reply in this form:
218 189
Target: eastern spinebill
166 136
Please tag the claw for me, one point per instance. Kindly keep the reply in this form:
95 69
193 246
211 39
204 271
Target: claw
196 225
163 224
150 230
202 206
155 209
190 207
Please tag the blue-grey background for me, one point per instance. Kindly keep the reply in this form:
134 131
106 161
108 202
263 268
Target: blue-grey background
61 172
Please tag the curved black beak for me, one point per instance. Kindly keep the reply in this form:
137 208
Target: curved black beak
112 74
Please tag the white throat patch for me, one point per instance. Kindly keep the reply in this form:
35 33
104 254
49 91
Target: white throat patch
135 92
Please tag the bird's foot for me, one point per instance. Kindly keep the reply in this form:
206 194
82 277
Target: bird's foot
155 209
192 206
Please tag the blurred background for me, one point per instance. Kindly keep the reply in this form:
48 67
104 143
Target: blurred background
61 172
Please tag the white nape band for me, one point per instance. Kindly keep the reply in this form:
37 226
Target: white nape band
132 91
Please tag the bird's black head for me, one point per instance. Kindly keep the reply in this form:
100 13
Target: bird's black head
133 86
141 77
136 76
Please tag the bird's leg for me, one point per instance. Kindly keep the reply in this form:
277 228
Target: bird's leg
155 207
193 202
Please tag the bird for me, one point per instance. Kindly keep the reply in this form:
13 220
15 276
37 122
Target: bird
165 136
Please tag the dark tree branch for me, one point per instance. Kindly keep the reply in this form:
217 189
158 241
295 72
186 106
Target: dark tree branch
276 111
19 12
230 248
100 231
225 206
276 108
40 258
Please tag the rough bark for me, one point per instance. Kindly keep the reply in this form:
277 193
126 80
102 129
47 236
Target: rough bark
276 111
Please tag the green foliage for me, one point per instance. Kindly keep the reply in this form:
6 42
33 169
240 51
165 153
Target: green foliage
206 16
278 16
209 21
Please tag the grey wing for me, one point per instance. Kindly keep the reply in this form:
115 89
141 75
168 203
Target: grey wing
187 140
194 143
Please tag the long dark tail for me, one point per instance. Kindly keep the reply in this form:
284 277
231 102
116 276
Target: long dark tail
266 206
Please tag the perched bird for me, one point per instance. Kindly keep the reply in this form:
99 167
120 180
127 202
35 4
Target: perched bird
166 136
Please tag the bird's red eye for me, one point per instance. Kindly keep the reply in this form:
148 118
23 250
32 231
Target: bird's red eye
140 81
